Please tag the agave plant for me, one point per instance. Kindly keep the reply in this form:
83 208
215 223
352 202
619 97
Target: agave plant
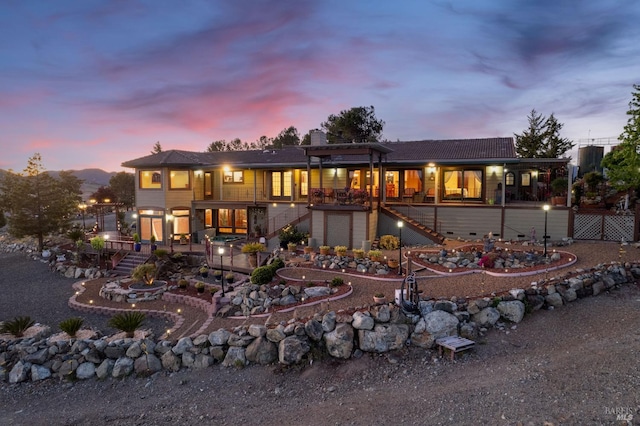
71 325
128 321
17 326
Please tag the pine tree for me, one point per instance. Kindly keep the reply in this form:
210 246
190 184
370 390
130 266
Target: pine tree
623 163
542 138
37 203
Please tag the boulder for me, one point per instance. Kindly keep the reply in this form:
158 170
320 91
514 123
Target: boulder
362 321
329 321
122 367
38 372
219 337
383 337
314 330
487 317
262 351
146 365
235 357
292 349
512 310
86 370
339 342
554 299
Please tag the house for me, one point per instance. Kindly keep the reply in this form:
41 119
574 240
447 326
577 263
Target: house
348 194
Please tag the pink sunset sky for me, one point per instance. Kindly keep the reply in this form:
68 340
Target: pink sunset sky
95 83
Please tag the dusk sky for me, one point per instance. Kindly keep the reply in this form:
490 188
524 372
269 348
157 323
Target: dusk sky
94 83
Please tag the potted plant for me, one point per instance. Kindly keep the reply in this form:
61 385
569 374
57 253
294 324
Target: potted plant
559 188
230 277
378 298
375 255
213 290
217 275
324 250
199 287
204 271
340 250
183 284
136 242
183 239
251 250
292 247
152 241
358 253
392 263
317 194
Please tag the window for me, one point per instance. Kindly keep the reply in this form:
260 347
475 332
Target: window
462 184
304 183
150 179
526 179
232 221
509 179
281 184
413 180
179 179
233 176
180 222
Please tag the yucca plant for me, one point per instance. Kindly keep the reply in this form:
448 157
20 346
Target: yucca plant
17 326
128 322
71 325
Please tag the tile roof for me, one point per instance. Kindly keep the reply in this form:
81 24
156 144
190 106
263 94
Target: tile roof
412 152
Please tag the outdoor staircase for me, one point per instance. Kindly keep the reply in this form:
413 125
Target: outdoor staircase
420 228
130 260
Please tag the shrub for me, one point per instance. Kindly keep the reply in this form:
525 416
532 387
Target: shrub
145 273
253 247
159 253
380 295
71 325
262 275
337 282
97 243
276 264
136 238
75 234
199 285
128 322
389 242
183 283
230 276
17 326
290 234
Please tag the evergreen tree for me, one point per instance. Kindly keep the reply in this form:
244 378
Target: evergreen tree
355 125
123 186
157 148
542 138
37 203
623 162
287 137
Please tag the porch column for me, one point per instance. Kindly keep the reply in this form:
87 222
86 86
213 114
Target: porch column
309 186
504 184
255 186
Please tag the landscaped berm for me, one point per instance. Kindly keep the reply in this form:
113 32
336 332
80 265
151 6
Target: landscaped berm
301 302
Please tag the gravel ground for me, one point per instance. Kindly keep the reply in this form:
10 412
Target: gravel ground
29 288
576 365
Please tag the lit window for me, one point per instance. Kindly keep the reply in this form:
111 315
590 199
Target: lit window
150 179
179 179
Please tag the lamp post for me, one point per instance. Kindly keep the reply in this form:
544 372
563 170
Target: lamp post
221 253
400 247
83 207
546 210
